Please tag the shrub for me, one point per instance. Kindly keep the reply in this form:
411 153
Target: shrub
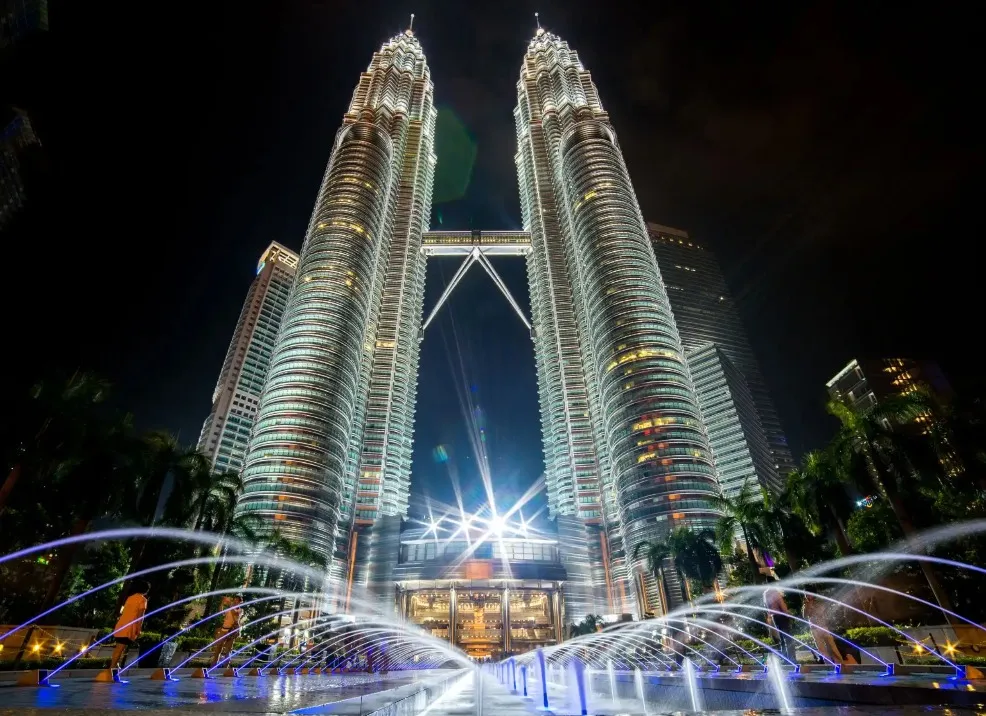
148 639
873 636
194 643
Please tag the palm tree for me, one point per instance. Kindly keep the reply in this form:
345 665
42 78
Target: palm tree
817 491
692 553
788 529
225 522
589 625
869 440
290 579
103 457
216 492
746 514
51 422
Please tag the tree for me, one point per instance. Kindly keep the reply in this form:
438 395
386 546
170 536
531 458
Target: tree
744 513
51 420
590 624
103 456
874 528
692 553
870 436
790 531
215 497
817 492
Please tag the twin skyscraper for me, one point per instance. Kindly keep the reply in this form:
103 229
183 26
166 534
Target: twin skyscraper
627 456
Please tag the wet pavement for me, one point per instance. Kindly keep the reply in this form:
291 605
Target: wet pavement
434 693
330 693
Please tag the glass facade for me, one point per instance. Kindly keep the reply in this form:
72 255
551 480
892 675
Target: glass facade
739 445
490 599
334 420
226 432
705 313
621 420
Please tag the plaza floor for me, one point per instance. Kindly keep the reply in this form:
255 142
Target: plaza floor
431 693
330 693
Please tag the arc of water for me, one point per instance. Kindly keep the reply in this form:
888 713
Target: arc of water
709 644
748 653
437 645
274 595
264 618
559 652
199 536
370 637
709 610
734 630
572 645
236 630
908 637
869 585
812 625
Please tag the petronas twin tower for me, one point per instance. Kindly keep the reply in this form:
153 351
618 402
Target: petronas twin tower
626 455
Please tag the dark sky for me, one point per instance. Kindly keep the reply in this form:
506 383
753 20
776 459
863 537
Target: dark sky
831 154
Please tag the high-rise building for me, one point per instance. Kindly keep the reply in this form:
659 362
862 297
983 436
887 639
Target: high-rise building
864 383
626 455
226 431
331 445
623 439
705 313
739 445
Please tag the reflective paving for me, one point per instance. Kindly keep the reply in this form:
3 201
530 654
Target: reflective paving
428 693
349 693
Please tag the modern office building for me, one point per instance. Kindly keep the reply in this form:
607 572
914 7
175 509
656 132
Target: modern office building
705 313
226 431
345 364
742 455
501 597
626 456
623 440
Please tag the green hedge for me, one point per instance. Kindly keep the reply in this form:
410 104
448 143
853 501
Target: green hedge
873 636
957 658
194 643
53 663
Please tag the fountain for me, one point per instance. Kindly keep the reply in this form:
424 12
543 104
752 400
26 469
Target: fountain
612 682
711 654
778 680
691 678
638 680
543 669
578 673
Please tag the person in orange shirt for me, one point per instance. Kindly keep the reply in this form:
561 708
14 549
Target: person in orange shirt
130 623
229 629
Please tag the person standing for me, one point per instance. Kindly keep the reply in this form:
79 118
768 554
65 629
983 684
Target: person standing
229 629
779 617
814 612
130 623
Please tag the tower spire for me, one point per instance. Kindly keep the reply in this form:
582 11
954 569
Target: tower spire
538 21
410 26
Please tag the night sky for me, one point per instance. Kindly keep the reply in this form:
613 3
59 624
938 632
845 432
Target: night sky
830 154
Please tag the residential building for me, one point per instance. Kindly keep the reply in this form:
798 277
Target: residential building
226 431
